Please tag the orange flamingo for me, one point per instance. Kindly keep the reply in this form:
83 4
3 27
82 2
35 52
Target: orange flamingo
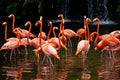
115 33
67 32
26 41
22 32
98 30
11 38
54 41
11 45
81 31
43 33
84 45
114 49
36 42
49 50
109 42
8 39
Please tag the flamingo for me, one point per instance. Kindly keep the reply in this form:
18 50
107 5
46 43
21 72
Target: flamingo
11 45
43 33
98 30
49 50
114 49
115 33
110 42
81 31
54 41
22 32
11 38
84 45
67 32
38 41
26 41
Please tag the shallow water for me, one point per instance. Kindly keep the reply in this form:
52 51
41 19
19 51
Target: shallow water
69 67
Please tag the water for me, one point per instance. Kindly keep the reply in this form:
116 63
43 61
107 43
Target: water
69 67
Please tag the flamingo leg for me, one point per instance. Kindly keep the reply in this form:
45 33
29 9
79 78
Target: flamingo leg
5 54
43 59
11 54
26 50
50 61
18 51
14 53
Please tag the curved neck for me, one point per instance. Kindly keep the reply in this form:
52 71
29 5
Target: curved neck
54 31
59 42
40 38
13 22
98 27
49 24
88 31
5 37
96 40
85 28
30 27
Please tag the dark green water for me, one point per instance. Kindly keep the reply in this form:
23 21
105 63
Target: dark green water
69 67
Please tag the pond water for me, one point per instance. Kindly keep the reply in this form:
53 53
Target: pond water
69 67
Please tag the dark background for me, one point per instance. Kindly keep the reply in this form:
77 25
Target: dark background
31 10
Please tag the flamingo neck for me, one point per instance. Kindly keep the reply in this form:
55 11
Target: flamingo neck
59 42
98 27
88 32
30 27
5 32
49 31
13 22
54 31
102 43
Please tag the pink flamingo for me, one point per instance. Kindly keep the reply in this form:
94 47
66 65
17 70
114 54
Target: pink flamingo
22 32
49 50
110 42
115 33
54 41
84 45
81 31
98 29
67 32
26 41
36 42
11 45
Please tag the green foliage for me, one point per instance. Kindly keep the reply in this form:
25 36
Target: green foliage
118 10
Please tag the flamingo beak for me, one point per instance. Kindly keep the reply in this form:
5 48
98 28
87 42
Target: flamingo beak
57 56
76 53
95 48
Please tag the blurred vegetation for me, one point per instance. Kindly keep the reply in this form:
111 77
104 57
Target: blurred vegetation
118 10
28 8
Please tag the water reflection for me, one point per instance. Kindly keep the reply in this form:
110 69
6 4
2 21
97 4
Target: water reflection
14 68
85 73
69 67
108 70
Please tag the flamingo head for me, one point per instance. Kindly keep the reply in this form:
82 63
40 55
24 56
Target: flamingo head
11 15
27 23
96 19
15 31
37 51
4 47
38 23
60 15
41 18
4 23
49 23
88 20
56 56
